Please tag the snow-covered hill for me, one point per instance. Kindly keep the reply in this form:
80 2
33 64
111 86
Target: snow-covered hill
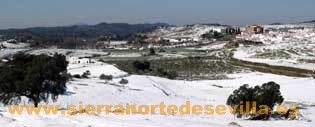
153 90
189 32
284 45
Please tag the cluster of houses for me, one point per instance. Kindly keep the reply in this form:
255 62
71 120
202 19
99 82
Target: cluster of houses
181 39
252 29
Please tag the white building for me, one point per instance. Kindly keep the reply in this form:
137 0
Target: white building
76 60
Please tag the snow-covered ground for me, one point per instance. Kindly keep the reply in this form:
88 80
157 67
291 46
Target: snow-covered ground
10 52
285 45
280 48
153 90
185 33
69 52
7 48
9 45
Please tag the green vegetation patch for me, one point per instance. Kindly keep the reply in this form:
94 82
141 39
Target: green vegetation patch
190 68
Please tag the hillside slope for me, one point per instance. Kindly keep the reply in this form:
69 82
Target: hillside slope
84 31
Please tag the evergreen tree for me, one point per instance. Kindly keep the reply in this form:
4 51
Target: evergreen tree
268 94
35 77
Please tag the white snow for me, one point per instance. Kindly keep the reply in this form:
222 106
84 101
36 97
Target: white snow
296 43
291 47
10 45
185 33
153 90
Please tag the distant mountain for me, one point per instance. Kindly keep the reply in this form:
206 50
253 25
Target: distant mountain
311 21
276 23
84 31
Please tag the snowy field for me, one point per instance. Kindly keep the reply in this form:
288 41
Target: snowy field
153 90
244 54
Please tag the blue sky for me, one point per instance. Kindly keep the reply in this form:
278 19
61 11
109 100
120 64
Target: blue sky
29 13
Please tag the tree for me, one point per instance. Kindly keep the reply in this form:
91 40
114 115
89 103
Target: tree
268 94
35 77
213 35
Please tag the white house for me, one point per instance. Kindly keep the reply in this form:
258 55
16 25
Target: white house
76 60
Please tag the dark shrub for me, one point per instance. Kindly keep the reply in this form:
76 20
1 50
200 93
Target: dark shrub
86 74
141 66
123 81
76 76
106 77
152 52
